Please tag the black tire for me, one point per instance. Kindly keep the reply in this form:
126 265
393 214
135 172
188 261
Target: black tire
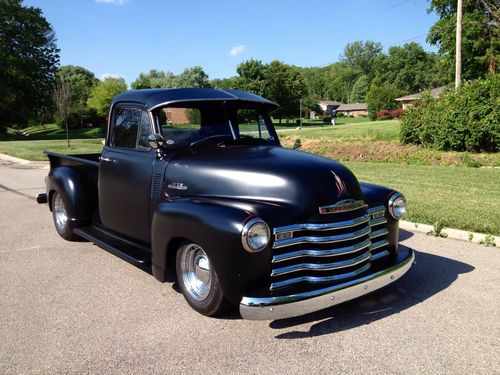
199 286
64 226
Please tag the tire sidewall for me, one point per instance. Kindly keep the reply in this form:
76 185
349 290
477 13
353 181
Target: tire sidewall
65 231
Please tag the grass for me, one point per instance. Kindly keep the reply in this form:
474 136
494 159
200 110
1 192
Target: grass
51 131
458 197
33 150
379 130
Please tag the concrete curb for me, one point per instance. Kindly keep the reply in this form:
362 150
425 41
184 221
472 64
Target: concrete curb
456 234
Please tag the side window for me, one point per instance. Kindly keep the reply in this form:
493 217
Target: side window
130 128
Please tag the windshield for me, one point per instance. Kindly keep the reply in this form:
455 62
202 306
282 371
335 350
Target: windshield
195 123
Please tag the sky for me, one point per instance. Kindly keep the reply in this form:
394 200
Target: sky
126 37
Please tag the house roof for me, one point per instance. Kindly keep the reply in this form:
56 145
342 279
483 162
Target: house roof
353 107
329 102
153 98
434 93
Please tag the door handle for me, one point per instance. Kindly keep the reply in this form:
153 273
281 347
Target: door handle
108 160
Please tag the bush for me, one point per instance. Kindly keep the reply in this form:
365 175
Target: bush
340 114
466 120
381 97
397 113
327 119
383 113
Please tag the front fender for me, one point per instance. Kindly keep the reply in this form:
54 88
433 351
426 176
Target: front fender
377 195
216 226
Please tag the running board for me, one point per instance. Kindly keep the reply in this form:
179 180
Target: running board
133 253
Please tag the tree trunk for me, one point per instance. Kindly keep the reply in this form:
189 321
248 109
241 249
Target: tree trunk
67 130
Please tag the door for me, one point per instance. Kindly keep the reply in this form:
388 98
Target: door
125 174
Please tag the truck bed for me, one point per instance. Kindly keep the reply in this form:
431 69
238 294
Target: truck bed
57 159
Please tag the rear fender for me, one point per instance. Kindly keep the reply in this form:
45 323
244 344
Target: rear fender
77 193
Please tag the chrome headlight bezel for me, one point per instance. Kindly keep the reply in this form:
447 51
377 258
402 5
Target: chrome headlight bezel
397 205
248 236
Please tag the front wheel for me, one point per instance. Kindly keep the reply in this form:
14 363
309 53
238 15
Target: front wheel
62 223
198 281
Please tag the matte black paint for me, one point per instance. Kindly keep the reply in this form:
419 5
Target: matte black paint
137 195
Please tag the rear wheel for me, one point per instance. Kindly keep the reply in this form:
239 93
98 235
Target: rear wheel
62 223
198 281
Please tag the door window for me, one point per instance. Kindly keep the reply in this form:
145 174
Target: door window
130 128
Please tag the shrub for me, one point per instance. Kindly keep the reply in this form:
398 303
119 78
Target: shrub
340 114
397 113
382 113
327 119
381 97
466 120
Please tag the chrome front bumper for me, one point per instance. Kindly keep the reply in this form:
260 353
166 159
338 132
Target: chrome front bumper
271 308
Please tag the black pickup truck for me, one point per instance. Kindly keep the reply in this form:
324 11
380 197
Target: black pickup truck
194 183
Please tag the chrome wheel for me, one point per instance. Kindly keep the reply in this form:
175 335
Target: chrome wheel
60 216
195 271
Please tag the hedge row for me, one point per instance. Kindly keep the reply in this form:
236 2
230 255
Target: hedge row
465 120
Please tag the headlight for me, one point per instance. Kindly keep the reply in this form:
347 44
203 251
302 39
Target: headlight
397 206
255 235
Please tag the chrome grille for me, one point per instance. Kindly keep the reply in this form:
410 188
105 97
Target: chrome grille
316 253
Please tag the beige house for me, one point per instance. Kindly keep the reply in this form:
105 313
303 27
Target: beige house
353 109
409 99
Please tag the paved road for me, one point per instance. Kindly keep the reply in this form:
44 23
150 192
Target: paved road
74 308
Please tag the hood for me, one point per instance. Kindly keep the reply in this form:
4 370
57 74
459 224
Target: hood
297 180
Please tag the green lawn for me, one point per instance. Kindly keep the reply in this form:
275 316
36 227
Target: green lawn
51 131
457 197
378 130
33 150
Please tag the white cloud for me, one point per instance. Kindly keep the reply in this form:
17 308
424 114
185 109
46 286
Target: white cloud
114 2
236 50
109 75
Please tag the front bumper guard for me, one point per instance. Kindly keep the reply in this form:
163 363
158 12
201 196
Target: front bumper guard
271 308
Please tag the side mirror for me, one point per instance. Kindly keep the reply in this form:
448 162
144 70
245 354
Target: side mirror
156 141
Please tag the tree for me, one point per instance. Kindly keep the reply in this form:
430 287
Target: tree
29 58
381 97
104 92
360 55
252 76
316 81
341 79
226 83
285 86
360 89
62 100
81 82
480 36
409 68
154 79
193 77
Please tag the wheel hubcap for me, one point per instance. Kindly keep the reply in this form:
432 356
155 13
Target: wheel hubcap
195 272
60 212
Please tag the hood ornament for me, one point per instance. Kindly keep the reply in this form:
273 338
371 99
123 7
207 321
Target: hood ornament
340 184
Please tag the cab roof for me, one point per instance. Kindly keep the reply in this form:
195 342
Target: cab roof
153 98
